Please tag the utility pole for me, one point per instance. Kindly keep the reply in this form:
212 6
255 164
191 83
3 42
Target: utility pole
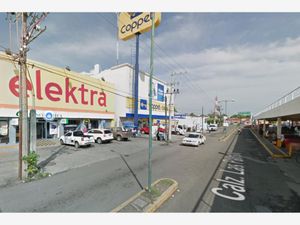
30 31
171 92
23 91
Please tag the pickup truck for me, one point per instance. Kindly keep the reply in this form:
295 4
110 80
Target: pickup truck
76 138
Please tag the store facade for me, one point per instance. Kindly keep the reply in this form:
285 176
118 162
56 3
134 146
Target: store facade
123 78
62 99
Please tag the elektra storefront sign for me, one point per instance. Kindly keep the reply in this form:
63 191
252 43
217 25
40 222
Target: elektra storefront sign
55 90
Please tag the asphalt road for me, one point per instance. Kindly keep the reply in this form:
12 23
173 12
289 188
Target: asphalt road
254 182
103 185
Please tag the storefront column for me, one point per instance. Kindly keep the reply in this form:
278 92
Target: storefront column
279 125
264 128
12 131
60 129
46 130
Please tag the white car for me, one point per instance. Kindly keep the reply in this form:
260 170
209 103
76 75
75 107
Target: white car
101 135
212 127
76 138
194 139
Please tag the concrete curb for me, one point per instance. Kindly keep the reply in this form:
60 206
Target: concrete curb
152 207
225 137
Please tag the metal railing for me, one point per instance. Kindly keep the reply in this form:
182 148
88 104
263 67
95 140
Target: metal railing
286 98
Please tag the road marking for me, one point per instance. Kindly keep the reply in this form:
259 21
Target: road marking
231 187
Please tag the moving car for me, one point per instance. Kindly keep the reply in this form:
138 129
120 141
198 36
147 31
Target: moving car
101 135
194 139
212 127
76 138
119 133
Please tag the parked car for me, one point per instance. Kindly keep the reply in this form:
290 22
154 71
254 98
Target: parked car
212 127
144 130
179 129
129 125
194 139
77 138
119 133
101 135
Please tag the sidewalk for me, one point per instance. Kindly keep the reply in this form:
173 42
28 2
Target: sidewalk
9 155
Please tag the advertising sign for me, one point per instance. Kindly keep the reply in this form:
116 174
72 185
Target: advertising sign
143 104
53 128
131 23
49 116
55 89
160 93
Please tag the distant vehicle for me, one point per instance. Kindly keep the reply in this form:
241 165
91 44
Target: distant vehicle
212 127
129 125
144 130
179 129
76 138
101 135
119 133
194 139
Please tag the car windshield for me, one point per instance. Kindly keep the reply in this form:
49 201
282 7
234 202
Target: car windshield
193 135
78 133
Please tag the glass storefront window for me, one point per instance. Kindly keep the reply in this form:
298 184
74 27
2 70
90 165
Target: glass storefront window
4 131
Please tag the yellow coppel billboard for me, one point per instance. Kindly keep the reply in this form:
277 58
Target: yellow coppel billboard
130 24
55 89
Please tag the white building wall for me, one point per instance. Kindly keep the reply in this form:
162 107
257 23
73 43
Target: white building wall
122 76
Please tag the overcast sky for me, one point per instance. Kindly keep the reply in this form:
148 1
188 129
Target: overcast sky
253 58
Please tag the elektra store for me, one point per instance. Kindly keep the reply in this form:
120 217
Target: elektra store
62 99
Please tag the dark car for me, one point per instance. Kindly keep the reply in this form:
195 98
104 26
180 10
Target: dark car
120 133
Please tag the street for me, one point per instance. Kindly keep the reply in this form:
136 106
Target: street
102 185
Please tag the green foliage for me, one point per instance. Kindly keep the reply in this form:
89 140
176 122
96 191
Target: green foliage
31 161
33 171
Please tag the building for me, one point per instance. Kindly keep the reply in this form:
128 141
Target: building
62 99
191 123
122 76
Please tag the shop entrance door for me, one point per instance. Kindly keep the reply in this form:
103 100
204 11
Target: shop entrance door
40 130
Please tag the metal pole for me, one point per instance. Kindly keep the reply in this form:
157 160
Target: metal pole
136 83
167 126
170 101
202 121
150 105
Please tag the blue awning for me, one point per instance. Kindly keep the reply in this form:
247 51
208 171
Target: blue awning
146 116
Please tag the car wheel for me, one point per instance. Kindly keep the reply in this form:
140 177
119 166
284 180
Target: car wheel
99 141
77 145
119 138
61 142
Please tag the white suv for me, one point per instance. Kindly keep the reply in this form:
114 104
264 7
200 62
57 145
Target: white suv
101 135
212 127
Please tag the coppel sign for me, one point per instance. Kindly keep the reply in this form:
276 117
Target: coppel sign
130 23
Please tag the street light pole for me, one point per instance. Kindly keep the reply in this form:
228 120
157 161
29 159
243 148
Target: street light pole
150 104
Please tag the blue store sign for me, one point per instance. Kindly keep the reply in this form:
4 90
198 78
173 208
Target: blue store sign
49 116
143 104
